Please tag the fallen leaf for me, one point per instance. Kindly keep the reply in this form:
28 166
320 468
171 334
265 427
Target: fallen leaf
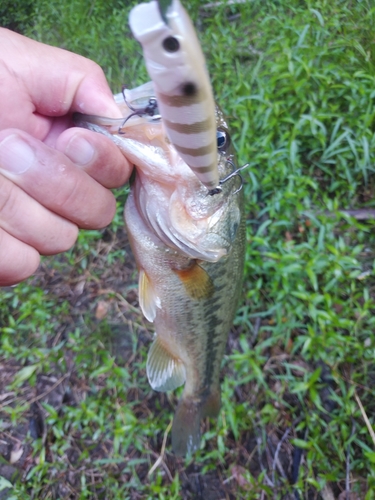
16 453
238 474
101 309
78 289
327 493
6 395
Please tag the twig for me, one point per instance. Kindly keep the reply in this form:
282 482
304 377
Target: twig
6 395
212 5
367 421
162 451
297 457
267 479
257 325
360 213
41 396
347 478
276 457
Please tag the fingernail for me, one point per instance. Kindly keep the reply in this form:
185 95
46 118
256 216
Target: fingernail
16 156
79 150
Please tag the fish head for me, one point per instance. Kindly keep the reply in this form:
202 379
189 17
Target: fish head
178 208
171 200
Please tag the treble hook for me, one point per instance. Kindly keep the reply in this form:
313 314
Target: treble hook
236 171
149 110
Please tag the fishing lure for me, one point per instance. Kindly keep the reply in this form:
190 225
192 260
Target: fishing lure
176 65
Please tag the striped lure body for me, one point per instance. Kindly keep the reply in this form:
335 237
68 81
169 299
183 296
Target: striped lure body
176 65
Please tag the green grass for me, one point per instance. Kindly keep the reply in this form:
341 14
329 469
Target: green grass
297 81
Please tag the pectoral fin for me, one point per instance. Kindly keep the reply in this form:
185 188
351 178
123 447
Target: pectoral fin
197 281
164 371
148 300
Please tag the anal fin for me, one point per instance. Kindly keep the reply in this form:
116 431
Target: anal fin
148 300
196 280
164 371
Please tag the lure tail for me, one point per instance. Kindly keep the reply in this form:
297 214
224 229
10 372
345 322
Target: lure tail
186 434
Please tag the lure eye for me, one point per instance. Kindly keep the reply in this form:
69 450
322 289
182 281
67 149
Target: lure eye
222 138
189 89
171 44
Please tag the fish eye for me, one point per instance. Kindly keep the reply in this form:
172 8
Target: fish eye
171 44
222 138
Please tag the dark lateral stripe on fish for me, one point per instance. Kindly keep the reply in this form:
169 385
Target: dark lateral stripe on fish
193 128
204 150
179 101
214 342
211 348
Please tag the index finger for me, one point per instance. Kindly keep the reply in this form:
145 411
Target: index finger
48 82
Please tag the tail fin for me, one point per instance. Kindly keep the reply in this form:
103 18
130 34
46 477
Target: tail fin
186 434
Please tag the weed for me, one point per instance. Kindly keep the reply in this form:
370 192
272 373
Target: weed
296 79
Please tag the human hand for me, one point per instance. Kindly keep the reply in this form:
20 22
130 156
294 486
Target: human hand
54 178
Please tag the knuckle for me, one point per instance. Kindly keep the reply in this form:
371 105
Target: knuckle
89 67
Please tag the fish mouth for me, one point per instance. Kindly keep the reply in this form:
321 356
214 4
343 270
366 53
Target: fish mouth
196 232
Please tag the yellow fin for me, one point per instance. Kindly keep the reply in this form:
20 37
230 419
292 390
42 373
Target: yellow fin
148 300
197 281
164 371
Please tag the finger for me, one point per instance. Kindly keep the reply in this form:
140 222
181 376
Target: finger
97 155
54 181
25 219
18 261
49 82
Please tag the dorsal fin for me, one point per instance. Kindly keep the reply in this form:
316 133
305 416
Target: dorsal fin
197 281
148 300
165 372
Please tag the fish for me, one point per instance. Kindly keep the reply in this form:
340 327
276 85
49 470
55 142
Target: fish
187 234
176 65
189 248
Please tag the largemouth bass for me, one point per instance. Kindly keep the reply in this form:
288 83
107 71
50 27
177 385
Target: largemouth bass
189 248
188 242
